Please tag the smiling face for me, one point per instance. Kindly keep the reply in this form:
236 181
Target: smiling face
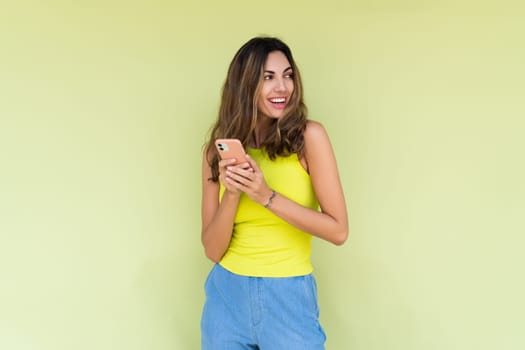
277 85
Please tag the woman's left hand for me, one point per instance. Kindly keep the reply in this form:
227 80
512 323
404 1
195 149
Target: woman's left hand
250 181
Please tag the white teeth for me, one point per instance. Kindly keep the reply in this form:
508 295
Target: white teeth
278 100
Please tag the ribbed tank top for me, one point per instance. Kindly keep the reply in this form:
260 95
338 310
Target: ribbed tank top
262 244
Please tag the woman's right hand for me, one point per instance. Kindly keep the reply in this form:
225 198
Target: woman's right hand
227 181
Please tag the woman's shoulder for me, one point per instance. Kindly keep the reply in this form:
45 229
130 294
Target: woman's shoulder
316 141
208 149
313 131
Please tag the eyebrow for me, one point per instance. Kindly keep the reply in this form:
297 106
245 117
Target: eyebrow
272 72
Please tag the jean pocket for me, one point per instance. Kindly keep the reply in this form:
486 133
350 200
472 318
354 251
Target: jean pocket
311 293
209 278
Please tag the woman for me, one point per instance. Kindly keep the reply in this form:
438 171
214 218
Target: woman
258 217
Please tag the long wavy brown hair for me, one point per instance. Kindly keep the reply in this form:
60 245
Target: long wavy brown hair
238 111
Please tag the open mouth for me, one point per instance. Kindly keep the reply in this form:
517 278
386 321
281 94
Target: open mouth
278 101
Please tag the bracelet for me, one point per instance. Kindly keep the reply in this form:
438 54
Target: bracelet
267 205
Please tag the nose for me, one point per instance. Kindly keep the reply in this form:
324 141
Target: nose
280 85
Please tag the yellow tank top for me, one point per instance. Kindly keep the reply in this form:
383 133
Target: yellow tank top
262 244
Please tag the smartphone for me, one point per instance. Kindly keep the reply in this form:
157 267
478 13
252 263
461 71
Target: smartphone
231 148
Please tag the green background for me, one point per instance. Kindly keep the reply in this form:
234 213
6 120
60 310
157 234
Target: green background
104 108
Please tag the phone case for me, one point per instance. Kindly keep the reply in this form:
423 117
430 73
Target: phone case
231 148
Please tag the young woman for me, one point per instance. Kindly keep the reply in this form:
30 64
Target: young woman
259 216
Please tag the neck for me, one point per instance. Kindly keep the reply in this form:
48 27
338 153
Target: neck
261 130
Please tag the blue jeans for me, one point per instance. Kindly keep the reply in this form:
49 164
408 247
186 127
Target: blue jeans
264 313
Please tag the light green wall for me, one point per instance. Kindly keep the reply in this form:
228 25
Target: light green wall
103 110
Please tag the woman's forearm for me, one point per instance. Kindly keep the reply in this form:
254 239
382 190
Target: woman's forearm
217 234
319 224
